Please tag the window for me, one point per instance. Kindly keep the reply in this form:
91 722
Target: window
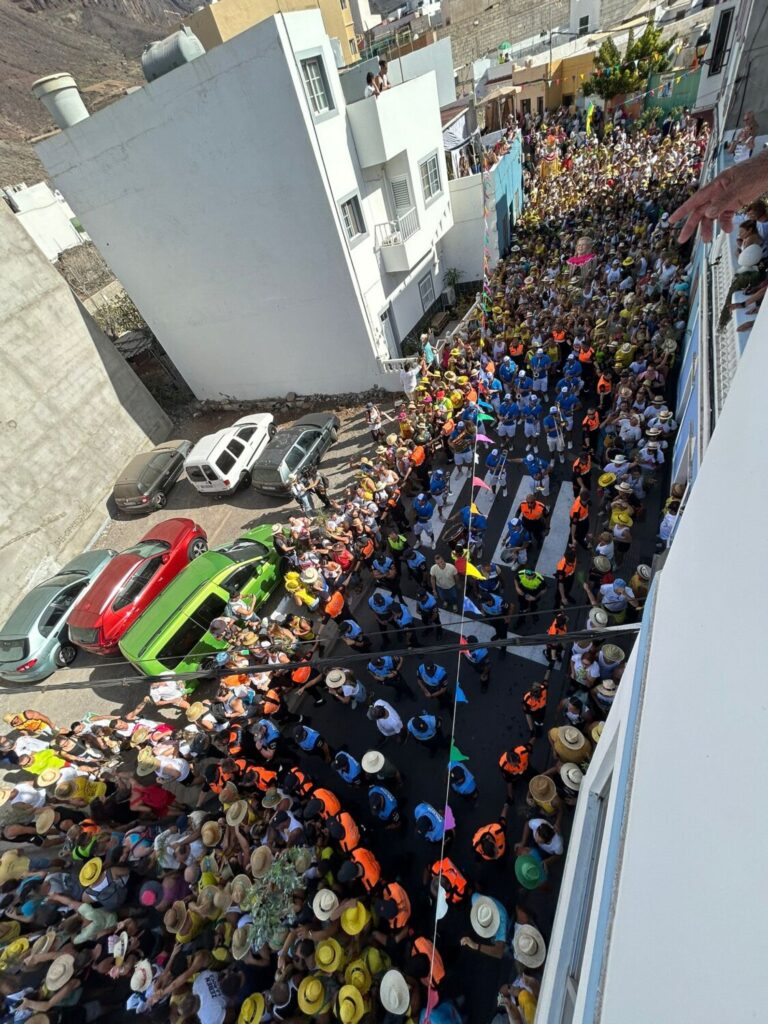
526 106
584 25
540 106
352 215
352 44
238 579
225 461
186 639
14 649
720 50
430 178
134 586
236 448
294 458
343 4
316 84
244 548
246 433
401 194
59 607
568 99
148 548
427 292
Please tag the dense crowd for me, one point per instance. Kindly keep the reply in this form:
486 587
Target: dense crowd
190 861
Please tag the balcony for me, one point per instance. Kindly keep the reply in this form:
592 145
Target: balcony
385 125
399 242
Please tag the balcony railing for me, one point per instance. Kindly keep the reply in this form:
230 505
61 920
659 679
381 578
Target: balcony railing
399 230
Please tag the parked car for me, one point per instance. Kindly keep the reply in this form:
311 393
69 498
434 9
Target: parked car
144 484
221 463
295 449
35 640
131 581
172 635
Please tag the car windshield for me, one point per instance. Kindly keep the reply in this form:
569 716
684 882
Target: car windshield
147 548
65 579
13 649
191 636
244 548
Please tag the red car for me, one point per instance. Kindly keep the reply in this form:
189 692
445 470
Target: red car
131 581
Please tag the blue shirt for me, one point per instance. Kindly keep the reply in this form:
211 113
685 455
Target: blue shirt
524 384
429 733
352 629
352 771
572 368
390 803
414 560
310 740
509 411
535 466
566 403
493 459
466 786
386 668
517 536
383 565
507 371
435 833
423 509
491 604
402 616
434 681
437 483
477 655
478 522
428 603
540 364
532 412
379 606
501 931
271 732
550 425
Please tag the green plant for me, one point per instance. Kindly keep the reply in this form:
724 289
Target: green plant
615 75
451 277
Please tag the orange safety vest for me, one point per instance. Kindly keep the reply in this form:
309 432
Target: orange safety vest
558 335
471 395
496 832
418 455
511 769
532 703
555 629
591 422
582 466
586 355
515 350
604 386
272 703
533 512
424 946
371 867
301 675
579 511
351 838
454 883
448 427
261 778
335 604
331 803
567 565
305 783
395 891
368 548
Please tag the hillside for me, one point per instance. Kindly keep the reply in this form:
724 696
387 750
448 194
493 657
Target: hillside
97 41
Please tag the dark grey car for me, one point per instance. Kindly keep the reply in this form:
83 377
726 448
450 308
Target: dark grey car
294 450
144 483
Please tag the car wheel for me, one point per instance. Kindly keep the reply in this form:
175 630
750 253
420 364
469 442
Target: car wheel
271 430
161 499
65 655
245 480
333 433
196 548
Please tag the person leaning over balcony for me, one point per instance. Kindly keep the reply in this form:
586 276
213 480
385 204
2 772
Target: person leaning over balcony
371 88
742 145
382 80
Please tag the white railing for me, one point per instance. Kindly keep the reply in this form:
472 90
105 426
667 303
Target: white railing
395 232
395 365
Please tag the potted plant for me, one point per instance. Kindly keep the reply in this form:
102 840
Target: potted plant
451 279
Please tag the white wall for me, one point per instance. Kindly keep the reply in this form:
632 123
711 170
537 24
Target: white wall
363 16
463 245
437 57
204 192
45 218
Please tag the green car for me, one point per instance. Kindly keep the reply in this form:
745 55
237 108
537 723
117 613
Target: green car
172 634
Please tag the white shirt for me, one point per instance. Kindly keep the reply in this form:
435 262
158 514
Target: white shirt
213 1004
555 845
409 379
392 724
29 795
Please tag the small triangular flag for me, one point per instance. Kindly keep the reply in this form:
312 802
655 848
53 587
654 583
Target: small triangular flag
473 571
477 482
470 606
482 437
456 755
461 697
449 820
474 509
485 416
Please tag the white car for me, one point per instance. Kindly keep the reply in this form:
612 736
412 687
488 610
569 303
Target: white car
221 463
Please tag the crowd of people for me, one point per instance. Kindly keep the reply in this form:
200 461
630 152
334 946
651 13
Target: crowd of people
218 858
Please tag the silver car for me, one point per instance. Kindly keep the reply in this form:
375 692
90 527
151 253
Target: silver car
34 641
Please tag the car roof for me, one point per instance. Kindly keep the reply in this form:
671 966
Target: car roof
131 474
209 444
316 419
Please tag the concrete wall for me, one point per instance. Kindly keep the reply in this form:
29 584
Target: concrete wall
72 413
216 23
216 218
496 24
437 57
46 219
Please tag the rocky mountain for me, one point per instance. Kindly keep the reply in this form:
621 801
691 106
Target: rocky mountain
97 41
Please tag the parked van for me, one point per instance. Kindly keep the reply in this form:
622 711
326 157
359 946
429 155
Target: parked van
221 463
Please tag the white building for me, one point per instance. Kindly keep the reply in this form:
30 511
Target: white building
46 216
275 235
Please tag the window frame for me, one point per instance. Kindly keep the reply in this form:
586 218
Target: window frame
584 29
317 56
353 197
429 159
421 280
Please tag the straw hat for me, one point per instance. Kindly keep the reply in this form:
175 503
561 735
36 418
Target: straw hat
311 994
612 654
147 763
139 735
335 678
60 972
237 812
357 974
485 917
372 762
5 796
355 918
48 777
542 789
570 744
261 861
120 948
64 789
394 993
252 1009
350 1005
570 737
529 871
241 942
141 978
239 888
596 731
211 833
15 950
271 798
196 711
598 617
572 776
606 480
528 945
44 943
607 688
205 901
324 903
644 572
90 872
44 820
174 916
303 860
329 956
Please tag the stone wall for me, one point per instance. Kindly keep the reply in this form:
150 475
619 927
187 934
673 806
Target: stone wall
511 22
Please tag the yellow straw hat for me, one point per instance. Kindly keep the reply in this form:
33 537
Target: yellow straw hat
329 956
91 871
252 1009
350 1005
311 994
357 974
354 919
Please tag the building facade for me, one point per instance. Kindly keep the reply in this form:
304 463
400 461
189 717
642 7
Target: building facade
271 246
217 22
46 216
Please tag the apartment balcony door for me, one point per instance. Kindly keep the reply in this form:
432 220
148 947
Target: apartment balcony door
390 332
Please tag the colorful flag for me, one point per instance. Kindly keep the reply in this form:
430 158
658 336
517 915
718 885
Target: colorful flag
461 697
473 571
482 437
590 113
456 755
450 820
477 482
485 416
470 606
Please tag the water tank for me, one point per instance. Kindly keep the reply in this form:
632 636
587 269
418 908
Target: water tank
166 54
61 98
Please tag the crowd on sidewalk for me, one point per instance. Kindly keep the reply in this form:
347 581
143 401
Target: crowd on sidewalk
188 861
